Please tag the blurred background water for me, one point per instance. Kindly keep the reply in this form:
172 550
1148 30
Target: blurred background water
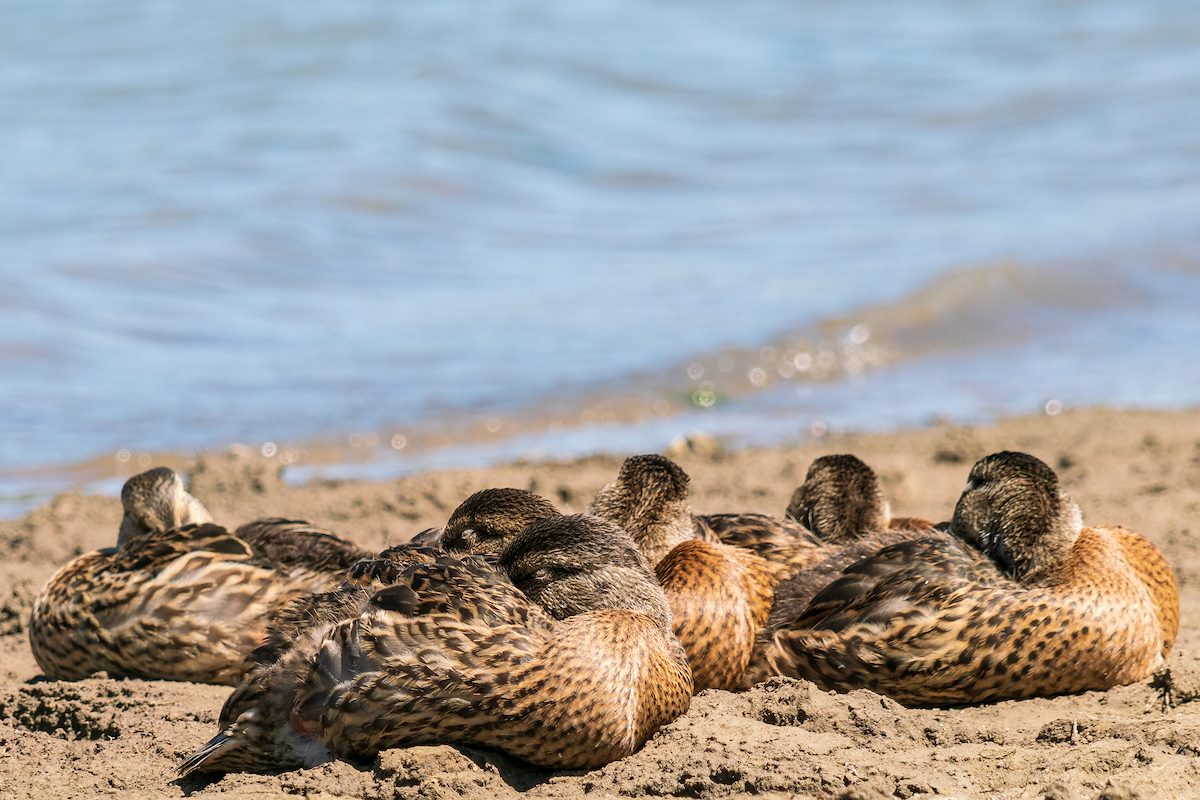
452 232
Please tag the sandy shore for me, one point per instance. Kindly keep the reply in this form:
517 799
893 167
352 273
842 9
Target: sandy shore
105 737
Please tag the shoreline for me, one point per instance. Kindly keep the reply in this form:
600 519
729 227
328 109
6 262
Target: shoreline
1139 468
478 442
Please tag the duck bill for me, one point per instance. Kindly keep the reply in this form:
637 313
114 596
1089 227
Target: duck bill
209 757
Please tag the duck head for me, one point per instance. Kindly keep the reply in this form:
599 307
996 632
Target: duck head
259 730
488 520
257 741
840 499
1013 509
570 565
649 499
156 500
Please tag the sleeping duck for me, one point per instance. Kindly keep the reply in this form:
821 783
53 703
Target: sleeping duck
720 595
560 653
178 598
1020 600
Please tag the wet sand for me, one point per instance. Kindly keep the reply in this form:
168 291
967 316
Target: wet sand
103 737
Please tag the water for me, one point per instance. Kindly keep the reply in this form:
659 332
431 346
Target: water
524 228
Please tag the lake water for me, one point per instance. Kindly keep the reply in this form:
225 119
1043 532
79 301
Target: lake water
400 235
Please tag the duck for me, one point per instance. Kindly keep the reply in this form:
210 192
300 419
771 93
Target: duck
842 503
178 597
560 653
480 527
645 491
838 511
993 611
841 499
486 521
720 594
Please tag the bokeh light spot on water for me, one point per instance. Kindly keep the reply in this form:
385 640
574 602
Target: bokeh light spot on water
695 370
123 455
818 428
143 459
757 377
1054 406
493 425
356 440
399 441
803 362
269 449
704 395
726 363
859 334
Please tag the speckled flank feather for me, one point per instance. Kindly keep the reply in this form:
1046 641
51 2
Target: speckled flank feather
183 604
453 652
720 597
929 622
1152 569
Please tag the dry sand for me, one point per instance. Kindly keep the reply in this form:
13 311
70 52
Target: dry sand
123 737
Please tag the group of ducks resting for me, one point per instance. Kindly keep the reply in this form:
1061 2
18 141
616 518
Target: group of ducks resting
568 640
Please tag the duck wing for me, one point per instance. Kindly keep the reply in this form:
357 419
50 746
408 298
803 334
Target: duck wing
907 573
297 544
754 531
155 549
430 659
186 604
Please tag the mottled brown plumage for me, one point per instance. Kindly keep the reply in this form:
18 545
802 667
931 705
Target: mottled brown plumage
649 500
720 594
156 500
720 597
455 652
840 499
1066 608
838 515
487 521
186 603
785 544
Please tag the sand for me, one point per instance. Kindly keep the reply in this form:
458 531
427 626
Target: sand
104 737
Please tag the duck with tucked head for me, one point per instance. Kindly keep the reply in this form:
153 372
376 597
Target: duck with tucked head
841 500
839 511
1062 608
178 598
720 595
563 656
487 521
842 503
481 527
